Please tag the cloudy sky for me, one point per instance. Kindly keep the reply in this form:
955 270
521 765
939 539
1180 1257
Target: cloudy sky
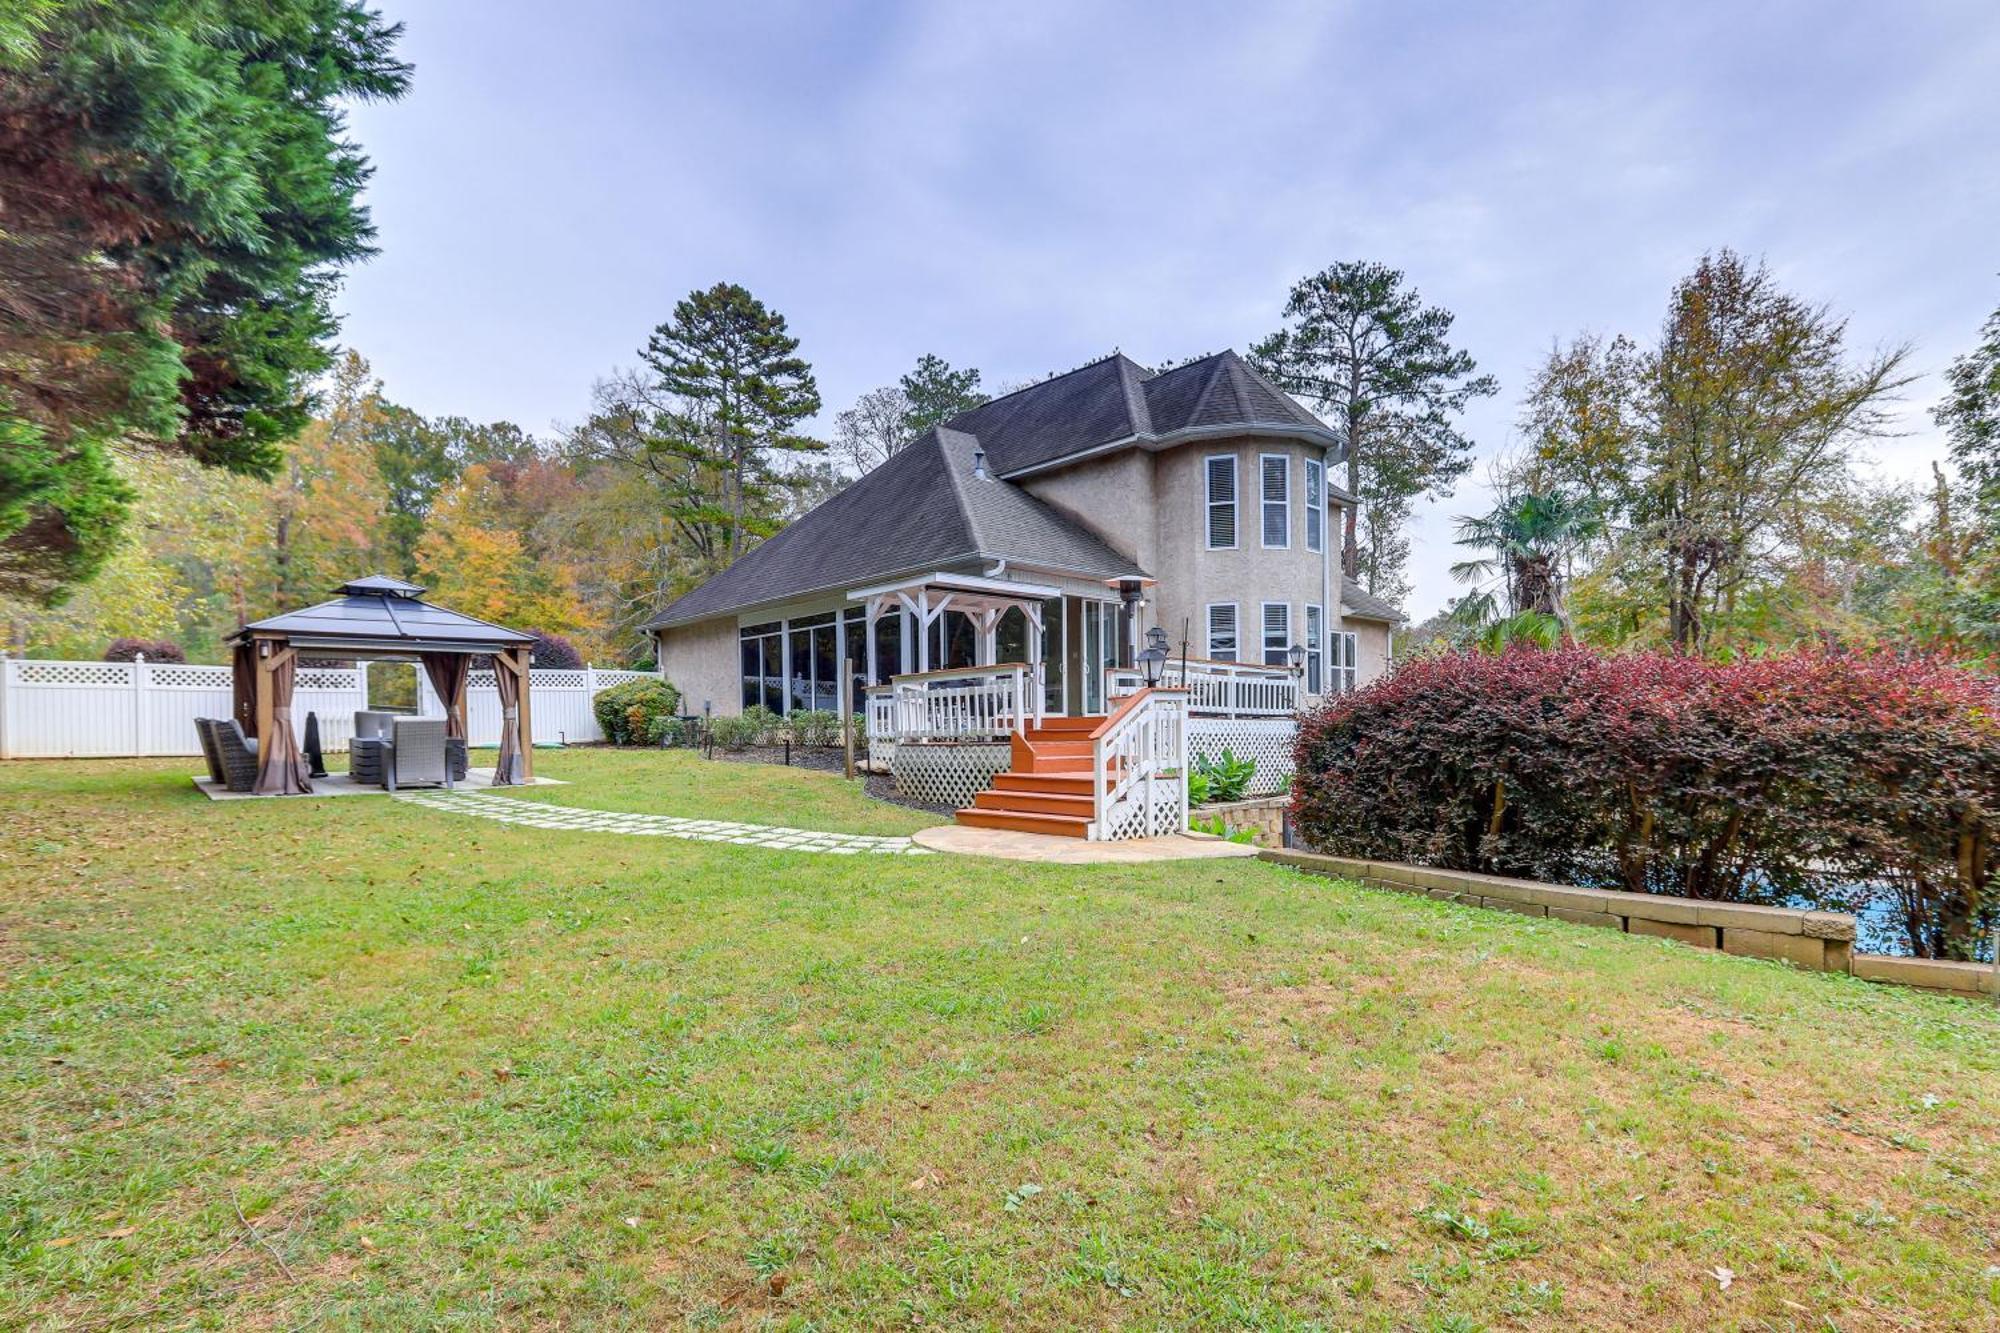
1025 187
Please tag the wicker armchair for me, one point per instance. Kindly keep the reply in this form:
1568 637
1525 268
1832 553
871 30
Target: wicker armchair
415 754
237 752
209 751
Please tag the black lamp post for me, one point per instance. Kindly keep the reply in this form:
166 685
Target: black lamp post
1296 655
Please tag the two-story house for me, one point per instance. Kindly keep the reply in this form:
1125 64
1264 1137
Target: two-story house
1053 527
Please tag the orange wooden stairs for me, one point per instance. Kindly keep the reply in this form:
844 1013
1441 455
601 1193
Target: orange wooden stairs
1048 787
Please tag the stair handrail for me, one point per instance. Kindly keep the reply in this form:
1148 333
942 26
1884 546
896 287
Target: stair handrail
1144 738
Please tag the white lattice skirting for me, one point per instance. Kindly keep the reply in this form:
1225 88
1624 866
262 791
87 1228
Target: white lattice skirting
1266 741
947 774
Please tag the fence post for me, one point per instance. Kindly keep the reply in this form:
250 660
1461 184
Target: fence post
847 715
6 718
139 675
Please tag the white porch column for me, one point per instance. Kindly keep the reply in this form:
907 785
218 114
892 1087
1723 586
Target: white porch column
868 633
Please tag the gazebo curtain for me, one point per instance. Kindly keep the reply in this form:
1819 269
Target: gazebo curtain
281 771
447 672
507 768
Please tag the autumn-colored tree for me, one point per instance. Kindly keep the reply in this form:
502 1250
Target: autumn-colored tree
1723 454
321 520
473 559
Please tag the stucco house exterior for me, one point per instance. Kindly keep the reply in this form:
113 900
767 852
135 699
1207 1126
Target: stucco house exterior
1051 529
1206 486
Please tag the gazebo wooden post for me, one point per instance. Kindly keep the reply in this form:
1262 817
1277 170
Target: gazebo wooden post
267 652
521 656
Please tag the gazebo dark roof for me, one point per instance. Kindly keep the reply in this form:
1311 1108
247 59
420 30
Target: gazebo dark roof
382 614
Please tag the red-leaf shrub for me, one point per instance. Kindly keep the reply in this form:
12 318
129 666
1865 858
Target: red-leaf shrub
156 650
1818 777
554 652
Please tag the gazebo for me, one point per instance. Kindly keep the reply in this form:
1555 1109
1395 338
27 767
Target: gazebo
376 618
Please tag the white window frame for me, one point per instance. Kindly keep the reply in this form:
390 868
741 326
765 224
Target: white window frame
1283 503
1346 661
1315 649
1315 505
1234 503
1284 634
1235 649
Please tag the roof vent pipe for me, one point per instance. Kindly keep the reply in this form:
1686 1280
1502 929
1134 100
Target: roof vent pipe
979 463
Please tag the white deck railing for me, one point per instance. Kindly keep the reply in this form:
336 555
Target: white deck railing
1219 689
987 703
1139 761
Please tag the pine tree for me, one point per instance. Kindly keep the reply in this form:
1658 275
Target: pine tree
742 389
935 393
1362 347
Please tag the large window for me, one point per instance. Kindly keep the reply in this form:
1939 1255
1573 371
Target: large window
1221 474
1222 643
1277 633
888 646
1346 660
1275 472
813 682
1315 505
954 641
763 652
1315 650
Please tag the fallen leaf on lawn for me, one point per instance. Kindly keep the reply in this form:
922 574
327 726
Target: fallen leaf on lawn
778 1283
632 1222
61 1241
367 1244
120 1233
1723 1277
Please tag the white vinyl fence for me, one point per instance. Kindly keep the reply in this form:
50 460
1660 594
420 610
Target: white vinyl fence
55 710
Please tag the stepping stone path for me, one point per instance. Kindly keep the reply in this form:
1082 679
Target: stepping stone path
510 810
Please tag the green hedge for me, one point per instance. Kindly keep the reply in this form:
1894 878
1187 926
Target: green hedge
627 713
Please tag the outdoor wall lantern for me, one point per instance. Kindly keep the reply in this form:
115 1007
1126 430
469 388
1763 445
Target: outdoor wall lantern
1154 657
1296 655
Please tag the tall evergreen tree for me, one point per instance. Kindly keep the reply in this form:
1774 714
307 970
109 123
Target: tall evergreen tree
742 388
936 393
1362 348
179 195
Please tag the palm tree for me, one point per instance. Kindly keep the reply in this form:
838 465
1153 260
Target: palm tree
1532 537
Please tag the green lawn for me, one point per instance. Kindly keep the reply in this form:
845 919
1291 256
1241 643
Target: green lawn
467 1074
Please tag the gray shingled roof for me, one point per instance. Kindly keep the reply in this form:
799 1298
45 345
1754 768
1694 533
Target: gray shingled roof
1360 605
922 509
1117 400
379 609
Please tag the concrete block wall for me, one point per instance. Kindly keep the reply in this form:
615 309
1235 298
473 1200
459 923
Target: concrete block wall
1821 941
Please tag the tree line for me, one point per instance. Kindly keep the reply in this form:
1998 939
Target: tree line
1701 491
182 443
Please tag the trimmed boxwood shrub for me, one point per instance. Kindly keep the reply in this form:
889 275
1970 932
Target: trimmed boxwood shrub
815 728
1819 777
156 650
626 712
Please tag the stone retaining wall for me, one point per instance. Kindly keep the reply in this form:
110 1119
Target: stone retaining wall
1264 816
1823 941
